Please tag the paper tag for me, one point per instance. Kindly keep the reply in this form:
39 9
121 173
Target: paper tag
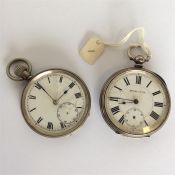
95 46
92 50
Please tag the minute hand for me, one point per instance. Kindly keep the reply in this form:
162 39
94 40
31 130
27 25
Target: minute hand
41 87
117 98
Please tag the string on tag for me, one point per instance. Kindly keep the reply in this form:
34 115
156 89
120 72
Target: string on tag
95 46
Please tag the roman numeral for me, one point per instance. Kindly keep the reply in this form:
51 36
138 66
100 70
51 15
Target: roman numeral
118 88
71 85
126 81
61 79
158 104
32 97
138 79
149 84
39 120
32 109
78 95
38 86
154 115
50 125
115 110
122 120
62 125
113 98
48 79
155 93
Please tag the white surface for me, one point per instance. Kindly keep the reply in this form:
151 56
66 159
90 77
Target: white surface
49 34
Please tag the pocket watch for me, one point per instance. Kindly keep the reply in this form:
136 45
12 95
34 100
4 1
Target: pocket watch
55 102
135 102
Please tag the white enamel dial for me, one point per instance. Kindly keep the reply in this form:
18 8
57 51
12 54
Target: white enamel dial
55 102
135 102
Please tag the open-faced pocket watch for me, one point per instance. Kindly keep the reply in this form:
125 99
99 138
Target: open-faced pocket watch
135 101
55 102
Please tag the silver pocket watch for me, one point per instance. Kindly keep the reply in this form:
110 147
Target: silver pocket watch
55 102
135 101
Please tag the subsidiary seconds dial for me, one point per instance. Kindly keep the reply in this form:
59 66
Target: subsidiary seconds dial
135 102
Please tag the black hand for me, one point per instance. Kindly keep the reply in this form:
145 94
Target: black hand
135 101
66 91
124 102
41 87
117 98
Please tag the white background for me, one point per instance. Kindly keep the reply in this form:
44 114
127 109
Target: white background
49 33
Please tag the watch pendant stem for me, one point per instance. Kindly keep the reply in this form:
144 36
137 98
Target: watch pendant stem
140 58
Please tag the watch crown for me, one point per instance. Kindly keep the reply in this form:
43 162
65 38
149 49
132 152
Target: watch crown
22 71
19 69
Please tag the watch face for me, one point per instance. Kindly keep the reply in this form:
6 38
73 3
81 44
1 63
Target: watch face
135 102
55 102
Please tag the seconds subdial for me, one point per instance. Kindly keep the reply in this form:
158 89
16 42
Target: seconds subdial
134 118
67 113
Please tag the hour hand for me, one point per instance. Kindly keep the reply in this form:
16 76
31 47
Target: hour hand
125 100
66 91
